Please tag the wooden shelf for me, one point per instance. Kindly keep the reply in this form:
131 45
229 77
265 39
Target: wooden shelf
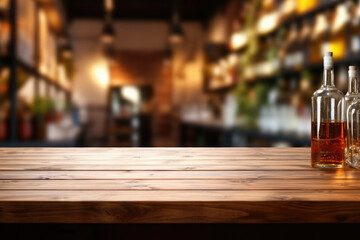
57 25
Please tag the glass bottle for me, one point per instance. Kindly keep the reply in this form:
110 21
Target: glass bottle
353 120
353 86
327 116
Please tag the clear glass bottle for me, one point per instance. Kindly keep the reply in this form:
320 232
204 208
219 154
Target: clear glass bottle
353 121
351 95
327 127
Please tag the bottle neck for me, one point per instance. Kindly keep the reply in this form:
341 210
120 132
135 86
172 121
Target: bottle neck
328 79
353 85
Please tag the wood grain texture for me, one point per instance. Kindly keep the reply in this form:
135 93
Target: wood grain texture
179 185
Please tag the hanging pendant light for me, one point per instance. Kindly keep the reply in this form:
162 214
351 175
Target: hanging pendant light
108 33
176 31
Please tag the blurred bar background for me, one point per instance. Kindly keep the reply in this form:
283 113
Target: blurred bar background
209 73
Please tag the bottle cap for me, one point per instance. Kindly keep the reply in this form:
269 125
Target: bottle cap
328 60
352 71
352 68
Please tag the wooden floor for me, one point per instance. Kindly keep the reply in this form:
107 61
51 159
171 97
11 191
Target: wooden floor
173 185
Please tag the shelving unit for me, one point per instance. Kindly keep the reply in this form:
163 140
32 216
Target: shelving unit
322 7
13 63
318 68
325 5
280 75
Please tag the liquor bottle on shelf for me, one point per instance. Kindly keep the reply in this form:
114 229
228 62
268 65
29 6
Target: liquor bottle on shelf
304 110
288 46
269 63
287 9
319 38
282 106
302 49
268 17
339 31
355 31
351 95
341 77
327 127
260 69
296 46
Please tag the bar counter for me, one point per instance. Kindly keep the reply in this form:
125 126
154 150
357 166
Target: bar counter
173 185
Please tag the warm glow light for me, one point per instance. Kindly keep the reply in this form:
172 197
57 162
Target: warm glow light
239 40
320 25
338 47
4 4
267 23
223 63
43 39
109 5
175 39
216 70
26 92
232 59
342 17
305 5
288 7
62 76
67 54
249 73
101 73
131 94
107 38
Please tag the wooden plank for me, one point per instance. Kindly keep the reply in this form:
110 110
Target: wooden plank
226 150
218 184
172 167
167 152
114 157
180 212
179 162
180 195
84 175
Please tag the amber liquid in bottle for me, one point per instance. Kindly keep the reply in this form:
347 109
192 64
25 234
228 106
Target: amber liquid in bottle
328 122
328 144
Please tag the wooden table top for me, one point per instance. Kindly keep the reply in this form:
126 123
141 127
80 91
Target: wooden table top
173 185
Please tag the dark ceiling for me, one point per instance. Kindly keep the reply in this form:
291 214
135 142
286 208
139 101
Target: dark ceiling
198 10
